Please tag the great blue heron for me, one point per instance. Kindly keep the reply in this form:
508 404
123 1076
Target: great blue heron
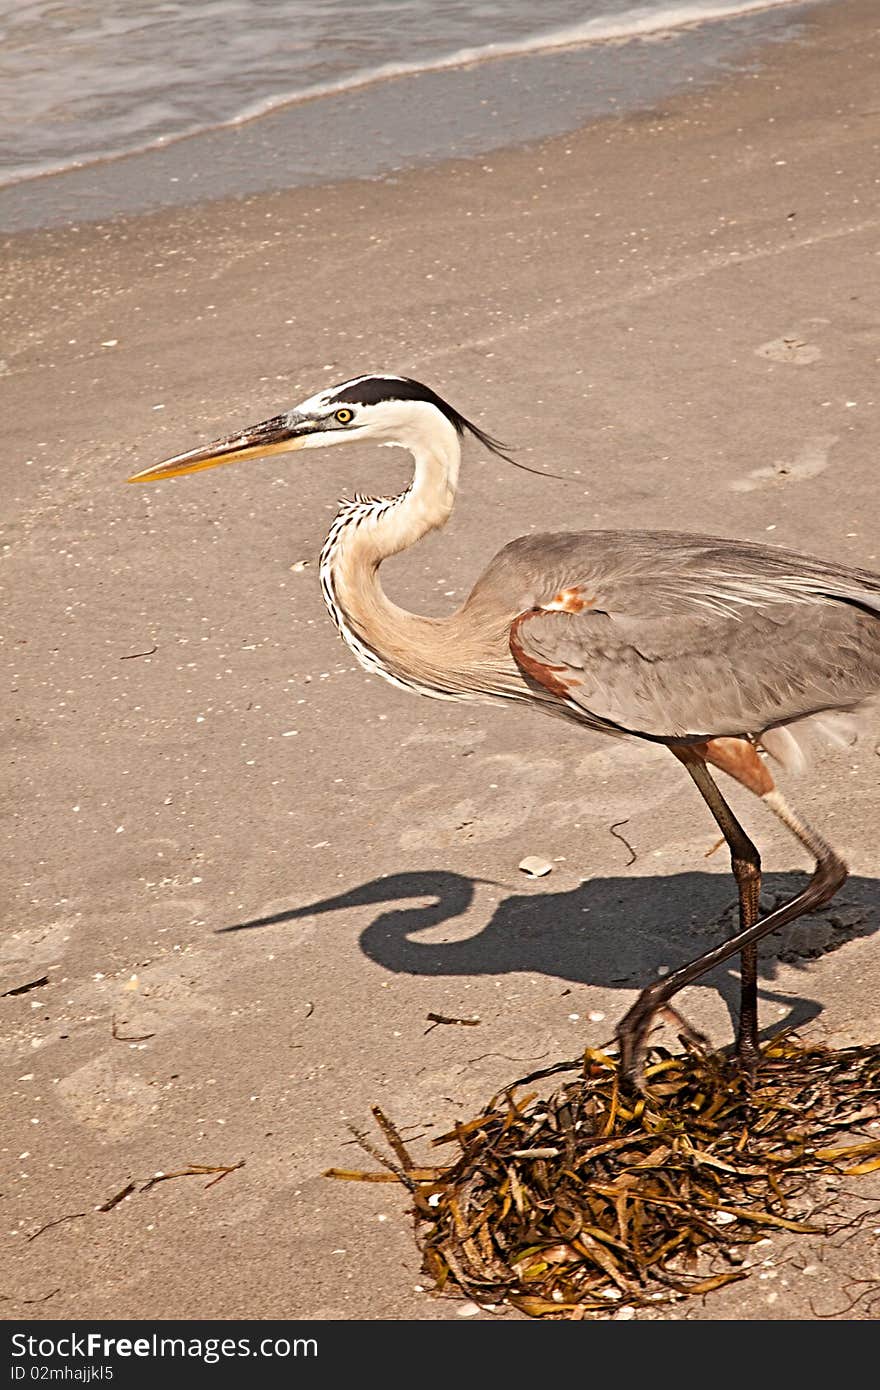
716 648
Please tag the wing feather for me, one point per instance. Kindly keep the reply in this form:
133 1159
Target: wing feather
690 637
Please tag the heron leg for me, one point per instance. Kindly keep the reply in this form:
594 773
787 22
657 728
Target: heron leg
745 861
828 876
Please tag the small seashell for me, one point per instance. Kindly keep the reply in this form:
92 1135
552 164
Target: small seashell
535 867
468 1310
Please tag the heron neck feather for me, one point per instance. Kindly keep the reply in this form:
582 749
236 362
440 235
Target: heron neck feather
432 655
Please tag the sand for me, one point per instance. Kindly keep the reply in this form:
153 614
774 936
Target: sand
248 871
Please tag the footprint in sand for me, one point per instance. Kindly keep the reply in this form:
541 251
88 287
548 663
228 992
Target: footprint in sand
812 459
506 792
26 954
791 349
808 937
105 1098
509 790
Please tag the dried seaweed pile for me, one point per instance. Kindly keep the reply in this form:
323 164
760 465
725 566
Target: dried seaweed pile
580 1204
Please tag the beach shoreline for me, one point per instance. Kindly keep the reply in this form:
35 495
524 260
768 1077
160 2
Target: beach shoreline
248 871
387 124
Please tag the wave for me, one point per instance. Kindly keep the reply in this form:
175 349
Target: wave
639 22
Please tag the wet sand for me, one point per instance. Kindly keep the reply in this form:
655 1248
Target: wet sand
247 870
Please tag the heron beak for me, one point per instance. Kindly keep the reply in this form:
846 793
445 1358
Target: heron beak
275 436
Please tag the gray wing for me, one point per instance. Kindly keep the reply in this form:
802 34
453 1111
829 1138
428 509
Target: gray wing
684 640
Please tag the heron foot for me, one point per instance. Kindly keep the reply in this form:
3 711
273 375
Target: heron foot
748 1053
635 1027
685 1030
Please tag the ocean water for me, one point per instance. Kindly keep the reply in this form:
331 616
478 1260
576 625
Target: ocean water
87 80
240 96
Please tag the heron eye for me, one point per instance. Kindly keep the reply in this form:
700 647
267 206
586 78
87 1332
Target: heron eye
344 415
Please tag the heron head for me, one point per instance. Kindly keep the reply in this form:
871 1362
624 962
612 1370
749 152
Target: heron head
392 410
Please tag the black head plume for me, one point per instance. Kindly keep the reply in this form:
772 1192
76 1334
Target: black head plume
370 390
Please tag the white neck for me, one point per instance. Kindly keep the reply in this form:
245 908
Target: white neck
414 652
397 523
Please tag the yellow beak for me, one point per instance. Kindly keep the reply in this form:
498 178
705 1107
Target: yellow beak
275 436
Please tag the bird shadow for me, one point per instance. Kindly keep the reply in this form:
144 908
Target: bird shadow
611 932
